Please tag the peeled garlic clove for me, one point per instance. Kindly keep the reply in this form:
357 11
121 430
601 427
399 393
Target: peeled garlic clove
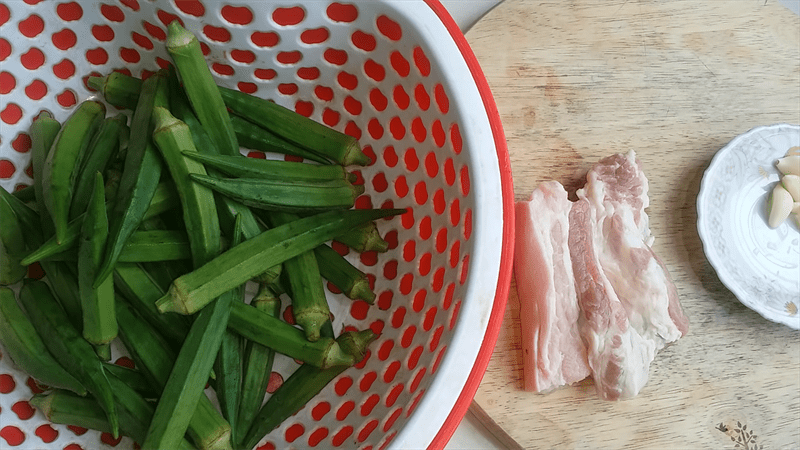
796 212
789 165
780 206
792 184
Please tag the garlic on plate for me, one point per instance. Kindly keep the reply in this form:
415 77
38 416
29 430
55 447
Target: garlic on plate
785 198
780 206
791 183
789 165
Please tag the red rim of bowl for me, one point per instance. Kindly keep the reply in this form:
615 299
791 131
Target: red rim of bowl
506 255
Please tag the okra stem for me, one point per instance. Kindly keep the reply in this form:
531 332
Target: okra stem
363 238
118 89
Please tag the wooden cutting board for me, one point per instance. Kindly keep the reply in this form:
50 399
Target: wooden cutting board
675 81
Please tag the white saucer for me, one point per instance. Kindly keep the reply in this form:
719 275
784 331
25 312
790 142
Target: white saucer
760 265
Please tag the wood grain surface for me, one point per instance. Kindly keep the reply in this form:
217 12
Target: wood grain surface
675 81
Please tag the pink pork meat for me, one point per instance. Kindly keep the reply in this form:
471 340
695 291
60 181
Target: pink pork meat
629 304
553 353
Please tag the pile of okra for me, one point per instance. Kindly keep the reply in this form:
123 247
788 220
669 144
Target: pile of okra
149 229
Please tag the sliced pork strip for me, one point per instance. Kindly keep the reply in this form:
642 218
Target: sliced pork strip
603 321
610 212
553 352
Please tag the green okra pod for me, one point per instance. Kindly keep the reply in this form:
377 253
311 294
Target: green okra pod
207 428
254 137
172 138
309 304
269 331
25 347
139 180
353 283
243 167
68 347
285 195
60 170
228 366
43 133
200 88
102 147
257 366
99 320
301 386
188 377
136 285
142 247
314 136
192 291
66 408
164 199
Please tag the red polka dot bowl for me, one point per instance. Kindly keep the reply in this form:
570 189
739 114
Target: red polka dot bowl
397 75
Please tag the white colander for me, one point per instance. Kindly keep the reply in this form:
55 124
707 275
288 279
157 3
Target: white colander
399 76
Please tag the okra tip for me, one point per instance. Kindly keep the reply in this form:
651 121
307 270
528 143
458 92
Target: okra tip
43 403
45 114
355 155
97 83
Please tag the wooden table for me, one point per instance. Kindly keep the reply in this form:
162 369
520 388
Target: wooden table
675 81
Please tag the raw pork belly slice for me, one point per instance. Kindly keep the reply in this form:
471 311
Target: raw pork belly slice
629 304
553 352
